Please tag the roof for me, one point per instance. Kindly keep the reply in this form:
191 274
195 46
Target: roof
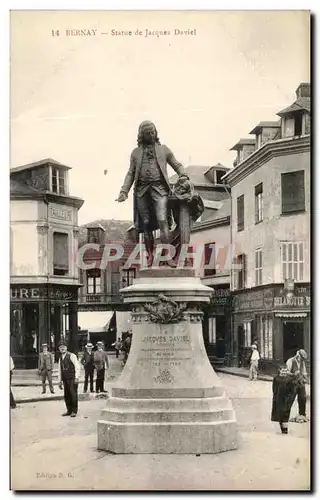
95 225
39 163
218 166
196 174
243 142
261 125
301 104
21 188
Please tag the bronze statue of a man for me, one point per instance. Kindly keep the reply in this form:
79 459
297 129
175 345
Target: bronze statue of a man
148 173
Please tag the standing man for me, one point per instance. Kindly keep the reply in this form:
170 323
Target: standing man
297 368
69 372
45 367
88 364
148 173
254 363
101 363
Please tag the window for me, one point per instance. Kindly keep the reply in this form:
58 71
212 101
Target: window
212 330
298 124
240 212
247 333
60 254
292 190
258 192
292 259
242 273
219 175
265 332
58 180
258 267
209 259
93 281
93 235
128 275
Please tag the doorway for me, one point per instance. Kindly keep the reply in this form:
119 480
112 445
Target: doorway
241 345
292 338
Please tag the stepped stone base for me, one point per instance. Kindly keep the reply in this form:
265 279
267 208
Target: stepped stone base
168 398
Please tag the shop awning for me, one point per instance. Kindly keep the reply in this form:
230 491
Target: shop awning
291 315
94 321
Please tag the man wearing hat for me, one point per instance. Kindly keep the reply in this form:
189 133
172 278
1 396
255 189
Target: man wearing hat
254 363
69 373
297 368
45 367
101 363
88 364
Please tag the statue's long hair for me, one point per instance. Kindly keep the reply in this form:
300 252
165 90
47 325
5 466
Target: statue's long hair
140 138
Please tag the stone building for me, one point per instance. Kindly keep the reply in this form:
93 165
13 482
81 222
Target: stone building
270 219
44 279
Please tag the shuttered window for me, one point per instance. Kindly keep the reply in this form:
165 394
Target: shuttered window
293 192
240 212
60 254
258 191
258 266
292 259
209 259
242 273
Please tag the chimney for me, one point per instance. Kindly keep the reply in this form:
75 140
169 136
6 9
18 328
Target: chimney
304 90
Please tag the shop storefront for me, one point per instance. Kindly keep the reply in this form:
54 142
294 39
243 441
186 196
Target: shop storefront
217 324
41 313
277 321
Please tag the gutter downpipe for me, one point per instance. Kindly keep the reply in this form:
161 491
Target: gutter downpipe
231 272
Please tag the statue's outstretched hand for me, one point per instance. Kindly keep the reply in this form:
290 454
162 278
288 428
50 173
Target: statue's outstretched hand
122 197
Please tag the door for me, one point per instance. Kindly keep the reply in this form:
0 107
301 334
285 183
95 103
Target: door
292 338
240 345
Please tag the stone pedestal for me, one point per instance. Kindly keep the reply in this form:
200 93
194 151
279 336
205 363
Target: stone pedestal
168 398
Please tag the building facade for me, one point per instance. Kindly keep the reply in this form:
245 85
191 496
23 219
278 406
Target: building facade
270 192
44 278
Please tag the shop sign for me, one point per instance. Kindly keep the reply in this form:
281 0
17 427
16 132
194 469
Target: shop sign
256 300
300 299
221 297
42 293
60 213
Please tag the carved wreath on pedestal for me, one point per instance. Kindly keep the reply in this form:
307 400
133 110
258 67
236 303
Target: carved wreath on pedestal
165 310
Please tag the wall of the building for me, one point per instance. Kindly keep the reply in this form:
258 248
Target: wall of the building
275 227
221 237
23 238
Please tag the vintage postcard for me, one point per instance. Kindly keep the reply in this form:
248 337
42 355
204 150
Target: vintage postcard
160 287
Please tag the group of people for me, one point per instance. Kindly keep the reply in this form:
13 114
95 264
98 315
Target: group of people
123 346
289 383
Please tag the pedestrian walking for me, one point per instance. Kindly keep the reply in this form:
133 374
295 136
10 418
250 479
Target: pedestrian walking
12 400
69 372
284 388
254 363
101 363
88 364
297 369
126 348
45 367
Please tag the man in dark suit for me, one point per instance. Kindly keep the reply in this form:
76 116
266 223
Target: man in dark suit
88 364
45 367
69 373
148 173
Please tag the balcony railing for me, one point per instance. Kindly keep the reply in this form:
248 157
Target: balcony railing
100 298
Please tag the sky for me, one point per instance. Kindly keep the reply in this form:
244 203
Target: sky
80 99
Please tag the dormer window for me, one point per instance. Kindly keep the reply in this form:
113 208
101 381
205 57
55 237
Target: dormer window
95 234
219 175
58 180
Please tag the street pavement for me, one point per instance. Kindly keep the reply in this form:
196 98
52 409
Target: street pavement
50 452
